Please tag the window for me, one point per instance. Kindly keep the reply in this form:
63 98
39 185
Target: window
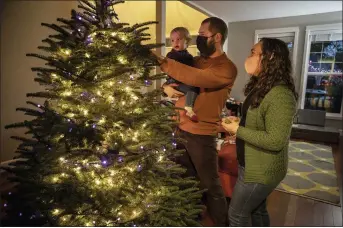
322 70
181 14
288 35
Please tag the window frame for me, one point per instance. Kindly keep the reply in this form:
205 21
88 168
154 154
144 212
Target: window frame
316 30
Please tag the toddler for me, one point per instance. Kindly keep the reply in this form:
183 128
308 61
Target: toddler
180 38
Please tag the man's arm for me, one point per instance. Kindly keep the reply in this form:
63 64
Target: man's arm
222 75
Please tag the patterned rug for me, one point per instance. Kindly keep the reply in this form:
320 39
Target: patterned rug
311 172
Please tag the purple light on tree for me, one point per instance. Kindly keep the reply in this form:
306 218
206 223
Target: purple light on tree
89 40
148 82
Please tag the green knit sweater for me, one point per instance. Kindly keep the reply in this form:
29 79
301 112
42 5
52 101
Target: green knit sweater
266 134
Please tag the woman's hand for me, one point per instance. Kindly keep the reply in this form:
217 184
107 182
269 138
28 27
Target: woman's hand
171 92
231 124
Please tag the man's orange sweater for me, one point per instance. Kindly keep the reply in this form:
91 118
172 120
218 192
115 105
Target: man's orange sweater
215 77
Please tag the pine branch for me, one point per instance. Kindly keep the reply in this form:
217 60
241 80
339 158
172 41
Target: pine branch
48 95
139 31
54 45
47 58
139 25
29 111
87 3
57 28
24 139
42 81
47 49
17 125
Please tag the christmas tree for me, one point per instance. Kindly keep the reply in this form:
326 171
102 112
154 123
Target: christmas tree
99 152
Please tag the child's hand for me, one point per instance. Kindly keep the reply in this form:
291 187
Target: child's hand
171 92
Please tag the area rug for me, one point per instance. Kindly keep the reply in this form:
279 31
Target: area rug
311 172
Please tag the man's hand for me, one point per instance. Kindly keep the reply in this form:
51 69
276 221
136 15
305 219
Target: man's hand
171 92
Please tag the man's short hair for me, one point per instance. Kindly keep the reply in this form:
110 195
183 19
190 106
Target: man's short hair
217 25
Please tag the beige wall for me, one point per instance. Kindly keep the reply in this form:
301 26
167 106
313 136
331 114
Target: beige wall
179 14
21 33
241 38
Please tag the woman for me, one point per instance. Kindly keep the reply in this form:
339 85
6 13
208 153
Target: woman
263 132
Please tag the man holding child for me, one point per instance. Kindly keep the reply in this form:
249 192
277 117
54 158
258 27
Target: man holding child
214 75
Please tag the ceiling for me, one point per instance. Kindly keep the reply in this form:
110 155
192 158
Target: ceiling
232 11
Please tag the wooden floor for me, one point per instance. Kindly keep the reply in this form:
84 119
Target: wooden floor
291 210
286 209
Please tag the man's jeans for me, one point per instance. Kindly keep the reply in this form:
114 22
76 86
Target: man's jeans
249 201
201 160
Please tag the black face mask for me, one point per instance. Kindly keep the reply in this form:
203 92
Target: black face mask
205 49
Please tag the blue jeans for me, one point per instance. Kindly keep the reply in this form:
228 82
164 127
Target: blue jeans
249 202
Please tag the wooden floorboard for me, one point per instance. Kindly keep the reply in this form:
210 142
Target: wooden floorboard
291 210
288 209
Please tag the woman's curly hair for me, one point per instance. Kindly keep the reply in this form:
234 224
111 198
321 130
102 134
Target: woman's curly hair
275 68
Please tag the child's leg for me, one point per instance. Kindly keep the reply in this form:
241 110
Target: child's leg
171 81
190 99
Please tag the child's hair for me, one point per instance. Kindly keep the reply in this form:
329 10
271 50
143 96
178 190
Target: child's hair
183 32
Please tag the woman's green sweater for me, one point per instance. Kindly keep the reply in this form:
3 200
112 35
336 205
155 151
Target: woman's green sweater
266 134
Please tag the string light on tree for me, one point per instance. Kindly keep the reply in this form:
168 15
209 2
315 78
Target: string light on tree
98 133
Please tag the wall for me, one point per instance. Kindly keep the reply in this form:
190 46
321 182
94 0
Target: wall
179 14
21 33
234 11
241 38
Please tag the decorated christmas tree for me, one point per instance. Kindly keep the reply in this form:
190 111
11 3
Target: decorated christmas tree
98 151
